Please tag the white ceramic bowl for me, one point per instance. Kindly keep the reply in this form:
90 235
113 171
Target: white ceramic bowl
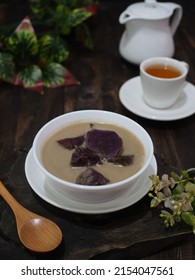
91 193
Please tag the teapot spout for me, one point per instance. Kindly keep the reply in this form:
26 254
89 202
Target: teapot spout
125 17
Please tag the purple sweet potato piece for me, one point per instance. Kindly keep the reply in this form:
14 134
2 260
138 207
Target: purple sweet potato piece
84 157
71 143
104 142
91 177
123 160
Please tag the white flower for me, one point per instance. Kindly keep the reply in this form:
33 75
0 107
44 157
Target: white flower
187 206
168 204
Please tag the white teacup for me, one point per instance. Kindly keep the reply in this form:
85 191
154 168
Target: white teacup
163 80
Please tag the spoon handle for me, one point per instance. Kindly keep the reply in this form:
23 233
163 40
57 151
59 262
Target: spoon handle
8 197
18 210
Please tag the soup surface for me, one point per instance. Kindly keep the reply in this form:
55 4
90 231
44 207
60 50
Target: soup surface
56 159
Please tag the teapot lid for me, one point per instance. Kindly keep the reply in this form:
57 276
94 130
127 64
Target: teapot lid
149 9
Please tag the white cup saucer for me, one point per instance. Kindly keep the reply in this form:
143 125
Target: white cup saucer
131 96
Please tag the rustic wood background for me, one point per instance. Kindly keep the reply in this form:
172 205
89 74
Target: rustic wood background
135 232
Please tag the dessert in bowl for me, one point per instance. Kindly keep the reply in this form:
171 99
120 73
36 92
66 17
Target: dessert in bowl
92 155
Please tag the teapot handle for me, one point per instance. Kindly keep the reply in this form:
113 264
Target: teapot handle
177 15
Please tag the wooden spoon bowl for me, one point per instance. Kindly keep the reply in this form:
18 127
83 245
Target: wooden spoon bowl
35 232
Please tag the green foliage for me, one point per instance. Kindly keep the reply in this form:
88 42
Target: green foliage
52 49
7 69
35 58
53 74
22 44
30 75
189 219
43 8
63 17
176 195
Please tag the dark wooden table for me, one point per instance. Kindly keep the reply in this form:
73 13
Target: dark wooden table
132 233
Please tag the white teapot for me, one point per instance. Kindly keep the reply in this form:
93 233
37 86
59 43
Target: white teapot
149 31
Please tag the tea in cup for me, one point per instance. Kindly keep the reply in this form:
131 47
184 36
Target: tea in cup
163 80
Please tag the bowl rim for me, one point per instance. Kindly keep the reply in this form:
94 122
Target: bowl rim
93 187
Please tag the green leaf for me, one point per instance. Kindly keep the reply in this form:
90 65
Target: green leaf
193 205
189 219
178 189
52 49
78 16
7 67
175 176
190 187
40 7
185 174
59 19
22 44
30 75
53 75
62 16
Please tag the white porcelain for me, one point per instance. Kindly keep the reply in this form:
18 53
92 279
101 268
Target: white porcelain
148 30
83 193
158 92
131 96
38 182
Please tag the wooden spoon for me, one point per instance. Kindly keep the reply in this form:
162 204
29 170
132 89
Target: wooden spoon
35 232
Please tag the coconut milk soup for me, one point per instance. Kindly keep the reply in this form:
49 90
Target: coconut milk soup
56 159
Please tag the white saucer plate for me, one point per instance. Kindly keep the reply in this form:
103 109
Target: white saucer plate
38 183
130 95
